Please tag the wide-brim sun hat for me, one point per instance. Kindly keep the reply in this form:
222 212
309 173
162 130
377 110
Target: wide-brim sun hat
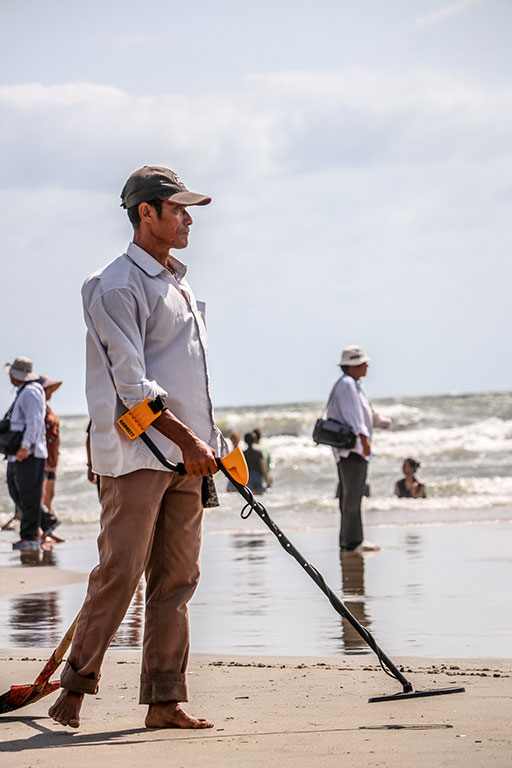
49 384
22 369
354 355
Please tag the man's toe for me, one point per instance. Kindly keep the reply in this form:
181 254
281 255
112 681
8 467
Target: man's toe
202 723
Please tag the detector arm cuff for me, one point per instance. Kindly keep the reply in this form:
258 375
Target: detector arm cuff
135 421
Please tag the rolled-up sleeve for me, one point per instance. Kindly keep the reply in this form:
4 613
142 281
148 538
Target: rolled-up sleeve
119 322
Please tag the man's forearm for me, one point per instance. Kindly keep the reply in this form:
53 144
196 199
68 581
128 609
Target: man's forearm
175 430
365 443
198 456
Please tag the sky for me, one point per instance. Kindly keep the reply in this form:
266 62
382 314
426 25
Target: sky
358 154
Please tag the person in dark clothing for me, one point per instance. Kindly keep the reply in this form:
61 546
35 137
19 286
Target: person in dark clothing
409 487
265 451
258 475
25 469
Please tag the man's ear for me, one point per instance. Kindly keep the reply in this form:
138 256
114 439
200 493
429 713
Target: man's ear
145 211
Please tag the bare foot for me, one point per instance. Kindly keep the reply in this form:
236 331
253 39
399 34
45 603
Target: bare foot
170 714
66 709
367 546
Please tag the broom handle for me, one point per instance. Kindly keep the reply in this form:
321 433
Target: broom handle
64 644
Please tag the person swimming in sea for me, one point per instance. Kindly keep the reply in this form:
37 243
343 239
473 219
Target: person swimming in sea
409 487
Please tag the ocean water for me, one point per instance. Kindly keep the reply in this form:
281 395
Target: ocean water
464 444
441 557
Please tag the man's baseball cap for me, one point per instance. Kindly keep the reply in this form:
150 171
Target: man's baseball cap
22 369
354 355
152 182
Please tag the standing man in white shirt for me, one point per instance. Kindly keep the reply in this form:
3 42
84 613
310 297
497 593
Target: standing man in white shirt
349 405
146 338
25 468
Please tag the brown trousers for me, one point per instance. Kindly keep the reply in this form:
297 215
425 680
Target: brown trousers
151 524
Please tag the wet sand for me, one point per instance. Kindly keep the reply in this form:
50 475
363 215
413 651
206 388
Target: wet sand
433 591
304 712
20 580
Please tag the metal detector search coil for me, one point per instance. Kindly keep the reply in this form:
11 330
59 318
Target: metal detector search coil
135 421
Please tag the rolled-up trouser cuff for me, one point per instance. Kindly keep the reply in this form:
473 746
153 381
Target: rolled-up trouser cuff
72 681
164 686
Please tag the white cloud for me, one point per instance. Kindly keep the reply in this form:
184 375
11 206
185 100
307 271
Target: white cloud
371 90
31 96
356 182
446 12
86 135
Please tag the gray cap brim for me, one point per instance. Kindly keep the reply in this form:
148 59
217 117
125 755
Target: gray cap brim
189 198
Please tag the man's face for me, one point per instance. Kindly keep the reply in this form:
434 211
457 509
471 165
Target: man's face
358 371
173 226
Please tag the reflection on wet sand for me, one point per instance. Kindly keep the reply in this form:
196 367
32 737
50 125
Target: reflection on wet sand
352 580
414 586
129 634
417 595
39 557
250 555
413 544
34 620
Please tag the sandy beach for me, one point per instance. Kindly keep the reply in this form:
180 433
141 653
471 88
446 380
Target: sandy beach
304 712
309 710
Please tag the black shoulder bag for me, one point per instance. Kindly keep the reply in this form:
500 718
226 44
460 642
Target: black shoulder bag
332 432
10 441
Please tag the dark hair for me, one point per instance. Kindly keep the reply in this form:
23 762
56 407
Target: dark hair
133 211
345 368
257 433
413 463
249 438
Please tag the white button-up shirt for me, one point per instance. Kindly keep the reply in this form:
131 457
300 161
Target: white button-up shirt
28 416
349 405
144 338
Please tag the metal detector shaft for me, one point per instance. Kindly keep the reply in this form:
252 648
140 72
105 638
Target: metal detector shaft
287 545
234 467
319 580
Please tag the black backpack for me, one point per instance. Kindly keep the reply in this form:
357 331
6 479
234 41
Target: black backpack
10 440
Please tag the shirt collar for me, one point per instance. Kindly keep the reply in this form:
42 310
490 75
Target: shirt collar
151 266
178 267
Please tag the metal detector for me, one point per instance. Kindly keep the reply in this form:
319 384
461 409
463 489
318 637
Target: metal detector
234 467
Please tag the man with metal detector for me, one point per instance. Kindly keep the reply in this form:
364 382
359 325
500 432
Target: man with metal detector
146 351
